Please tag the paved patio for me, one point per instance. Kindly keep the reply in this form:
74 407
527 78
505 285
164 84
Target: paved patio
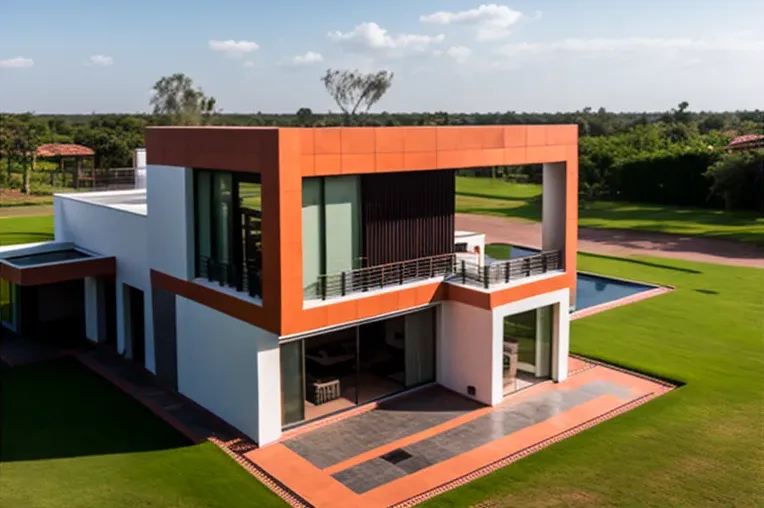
416 446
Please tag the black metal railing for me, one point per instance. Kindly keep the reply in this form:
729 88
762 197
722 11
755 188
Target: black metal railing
244 277
504 272
381 276
446 265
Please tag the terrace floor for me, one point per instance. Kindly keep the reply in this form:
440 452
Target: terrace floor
431 440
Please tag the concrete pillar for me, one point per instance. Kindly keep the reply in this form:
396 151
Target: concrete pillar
553 208
268 392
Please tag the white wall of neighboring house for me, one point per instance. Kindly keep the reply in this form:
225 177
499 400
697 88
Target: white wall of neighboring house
110 232
230 368
465 350
169 200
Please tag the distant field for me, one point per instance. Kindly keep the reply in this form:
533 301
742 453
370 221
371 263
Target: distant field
523 201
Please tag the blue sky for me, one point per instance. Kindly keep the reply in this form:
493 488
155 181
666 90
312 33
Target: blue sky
254 55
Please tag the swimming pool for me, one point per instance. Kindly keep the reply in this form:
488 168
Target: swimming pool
591 289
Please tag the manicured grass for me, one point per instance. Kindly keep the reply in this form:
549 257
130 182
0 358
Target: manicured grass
523 201
700 445
70 439
30 229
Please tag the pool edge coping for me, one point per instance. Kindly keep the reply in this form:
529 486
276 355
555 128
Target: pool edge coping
627 300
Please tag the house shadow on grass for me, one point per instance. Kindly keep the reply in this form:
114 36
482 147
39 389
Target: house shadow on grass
60 409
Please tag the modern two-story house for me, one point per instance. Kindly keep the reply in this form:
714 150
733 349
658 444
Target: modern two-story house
276 276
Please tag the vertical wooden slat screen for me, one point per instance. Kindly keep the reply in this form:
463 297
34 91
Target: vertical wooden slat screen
407 215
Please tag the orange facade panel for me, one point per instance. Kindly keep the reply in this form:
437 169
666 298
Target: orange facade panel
284 156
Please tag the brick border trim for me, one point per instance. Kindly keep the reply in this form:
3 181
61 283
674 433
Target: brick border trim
499 464
236 450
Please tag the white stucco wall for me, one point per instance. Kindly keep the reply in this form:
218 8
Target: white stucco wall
169 200
465 349
110 232
231 368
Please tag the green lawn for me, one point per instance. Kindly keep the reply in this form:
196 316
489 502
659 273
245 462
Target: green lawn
701 445
36 228
70 439
523 201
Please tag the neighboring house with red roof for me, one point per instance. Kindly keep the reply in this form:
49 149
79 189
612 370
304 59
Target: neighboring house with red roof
746 142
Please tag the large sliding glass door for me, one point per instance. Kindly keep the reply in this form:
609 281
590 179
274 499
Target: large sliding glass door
527 357
327 373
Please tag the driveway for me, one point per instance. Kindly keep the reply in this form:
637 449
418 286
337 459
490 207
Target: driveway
620 243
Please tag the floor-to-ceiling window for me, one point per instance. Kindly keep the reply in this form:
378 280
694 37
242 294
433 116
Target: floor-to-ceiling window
323 374
527 357
9 304
228 229
331 230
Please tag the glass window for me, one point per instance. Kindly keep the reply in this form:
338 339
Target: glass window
527 357
203 215
221 216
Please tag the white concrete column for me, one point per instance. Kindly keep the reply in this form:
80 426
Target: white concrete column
92 315
268 391
553 207
561 338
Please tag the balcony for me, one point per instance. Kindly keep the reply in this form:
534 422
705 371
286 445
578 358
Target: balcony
241 278
448 266
511 270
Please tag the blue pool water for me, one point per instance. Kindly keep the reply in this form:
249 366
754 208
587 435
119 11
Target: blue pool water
594 290
591 289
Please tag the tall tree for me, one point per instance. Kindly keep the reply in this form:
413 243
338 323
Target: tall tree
355 92
176 99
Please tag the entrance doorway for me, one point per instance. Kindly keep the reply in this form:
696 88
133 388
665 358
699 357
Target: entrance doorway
335 371
136 325
527 358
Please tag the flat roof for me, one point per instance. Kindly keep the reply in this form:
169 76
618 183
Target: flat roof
133 201
51 262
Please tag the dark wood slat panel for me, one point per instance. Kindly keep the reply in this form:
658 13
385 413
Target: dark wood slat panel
407 215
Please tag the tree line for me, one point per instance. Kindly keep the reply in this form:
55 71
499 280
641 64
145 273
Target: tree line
670 157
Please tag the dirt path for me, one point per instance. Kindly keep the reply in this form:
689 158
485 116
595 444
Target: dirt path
620 242
25 211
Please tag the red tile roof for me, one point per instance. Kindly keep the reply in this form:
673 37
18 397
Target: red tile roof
747 141
56 150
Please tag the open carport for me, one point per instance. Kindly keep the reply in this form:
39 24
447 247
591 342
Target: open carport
42 288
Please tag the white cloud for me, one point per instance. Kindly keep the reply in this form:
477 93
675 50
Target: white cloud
248 64
101 60
234 49
370 38
493 21
309 58
459 53
16 63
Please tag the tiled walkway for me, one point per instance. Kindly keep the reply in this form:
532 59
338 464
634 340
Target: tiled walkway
416 446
